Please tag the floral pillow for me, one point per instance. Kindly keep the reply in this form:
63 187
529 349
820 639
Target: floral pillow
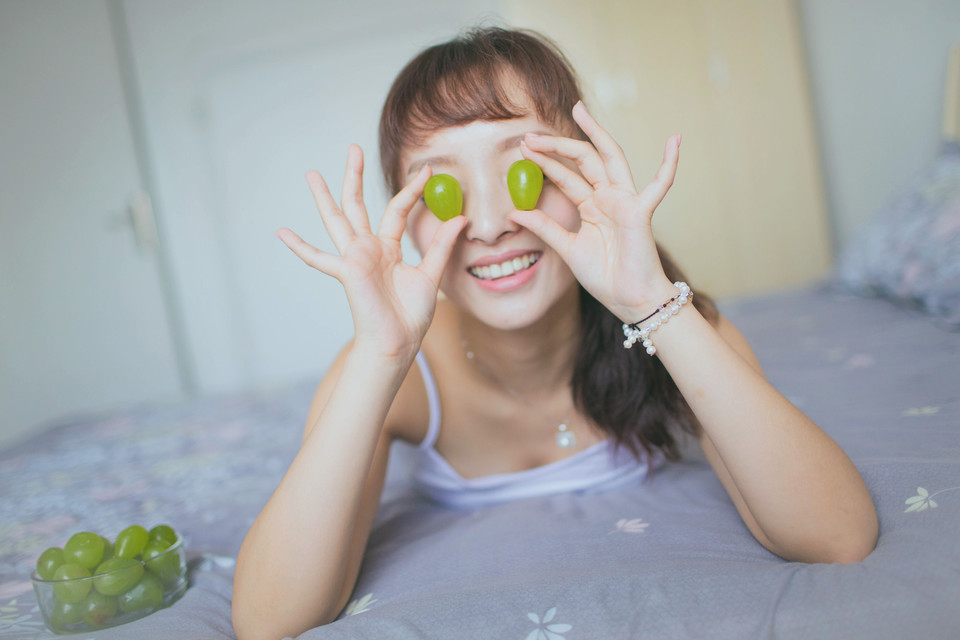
909 251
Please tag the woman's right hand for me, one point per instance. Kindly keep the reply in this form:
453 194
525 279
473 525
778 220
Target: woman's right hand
392 302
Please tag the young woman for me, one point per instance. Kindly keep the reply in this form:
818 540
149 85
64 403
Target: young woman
525 352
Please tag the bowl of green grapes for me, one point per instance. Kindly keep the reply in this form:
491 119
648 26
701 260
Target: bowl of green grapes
93 583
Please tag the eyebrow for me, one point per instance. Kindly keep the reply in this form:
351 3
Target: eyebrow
505 145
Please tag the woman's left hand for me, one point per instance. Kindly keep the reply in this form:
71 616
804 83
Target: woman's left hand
613 253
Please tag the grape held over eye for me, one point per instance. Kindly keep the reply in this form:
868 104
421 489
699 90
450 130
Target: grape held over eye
443 196
525 182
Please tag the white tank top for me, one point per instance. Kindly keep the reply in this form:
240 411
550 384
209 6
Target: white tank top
600 467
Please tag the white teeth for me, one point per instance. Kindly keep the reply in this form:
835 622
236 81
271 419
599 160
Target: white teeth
506 268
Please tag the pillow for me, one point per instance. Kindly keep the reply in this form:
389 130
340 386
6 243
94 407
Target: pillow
909 251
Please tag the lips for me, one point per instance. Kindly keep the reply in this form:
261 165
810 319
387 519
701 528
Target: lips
485 276
504 265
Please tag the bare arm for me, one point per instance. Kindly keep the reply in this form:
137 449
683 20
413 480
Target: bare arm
796 489
298 563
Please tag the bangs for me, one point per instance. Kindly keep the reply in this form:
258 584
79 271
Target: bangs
486 74
471 93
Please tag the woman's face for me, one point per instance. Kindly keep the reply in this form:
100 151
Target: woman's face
478 155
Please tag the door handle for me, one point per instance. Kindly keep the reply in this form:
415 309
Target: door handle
138 216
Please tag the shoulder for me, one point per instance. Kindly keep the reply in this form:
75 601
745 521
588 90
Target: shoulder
409 415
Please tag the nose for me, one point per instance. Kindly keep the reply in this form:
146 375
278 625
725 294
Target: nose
486 206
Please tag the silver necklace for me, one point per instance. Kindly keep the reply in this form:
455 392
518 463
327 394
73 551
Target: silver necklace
564 436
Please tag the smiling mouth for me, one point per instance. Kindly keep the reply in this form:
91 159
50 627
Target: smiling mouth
506 268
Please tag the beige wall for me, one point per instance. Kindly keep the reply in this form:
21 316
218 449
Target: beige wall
746 213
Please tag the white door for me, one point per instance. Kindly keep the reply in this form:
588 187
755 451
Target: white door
83 324
241 98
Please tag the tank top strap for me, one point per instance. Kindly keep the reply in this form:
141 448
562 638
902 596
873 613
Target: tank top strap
433 399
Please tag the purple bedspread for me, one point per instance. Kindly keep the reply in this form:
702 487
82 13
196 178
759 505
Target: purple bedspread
670 559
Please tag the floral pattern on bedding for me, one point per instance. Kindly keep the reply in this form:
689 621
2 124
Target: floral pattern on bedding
924 499
545 630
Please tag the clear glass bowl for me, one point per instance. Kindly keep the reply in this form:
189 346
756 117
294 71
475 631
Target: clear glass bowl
114 597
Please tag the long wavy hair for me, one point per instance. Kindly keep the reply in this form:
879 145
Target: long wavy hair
628 395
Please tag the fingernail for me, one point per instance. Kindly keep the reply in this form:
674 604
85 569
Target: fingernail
531 134
679 138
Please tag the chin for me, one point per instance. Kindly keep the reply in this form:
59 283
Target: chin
518 309
507 317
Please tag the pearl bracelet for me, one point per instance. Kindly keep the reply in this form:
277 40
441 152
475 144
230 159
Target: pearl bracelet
671 307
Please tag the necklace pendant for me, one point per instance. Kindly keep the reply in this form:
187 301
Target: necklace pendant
565 439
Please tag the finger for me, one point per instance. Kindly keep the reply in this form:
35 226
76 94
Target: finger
580 151
351 196
320 260
614 160
653 194
570 182
547 229
438 253
394 219
336 223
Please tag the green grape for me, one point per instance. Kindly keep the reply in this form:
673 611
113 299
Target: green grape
99 609
155 548
443 196
107 549
65 613
164 565
116 575
72 591
163 532
48 562
147 594
84 549
131 541
525 182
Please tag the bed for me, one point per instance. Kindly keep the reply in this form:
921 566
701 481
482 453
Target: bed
668 559
870 353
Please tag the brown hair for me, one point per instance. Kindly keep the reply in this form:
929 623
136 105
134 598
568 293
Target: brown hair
627 394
